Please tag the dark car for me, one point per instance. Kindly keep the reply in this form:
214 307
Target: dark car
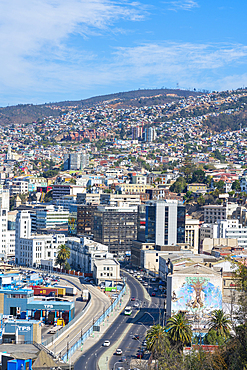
123 359
132 299
136 336
139 354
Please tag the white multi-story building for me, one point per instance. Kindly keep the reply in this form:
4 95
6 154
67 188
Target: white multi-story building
3 232
4 199
139 179
31 249
17 187
231 229
106 271
84 251
192 233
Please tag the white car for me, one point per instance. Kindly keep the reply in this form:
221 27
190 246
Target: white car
136 304
106 343
119 352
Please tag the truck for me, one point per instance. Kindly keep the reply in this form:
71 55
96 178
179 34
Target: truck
85 295
70 290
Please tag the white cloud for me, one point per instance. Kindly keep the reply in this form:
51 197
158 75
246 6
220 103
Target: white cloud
36 33
169 57
182 5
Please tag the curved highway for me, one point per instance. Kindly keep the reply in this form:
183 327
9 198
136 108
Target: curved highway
89 359
99 303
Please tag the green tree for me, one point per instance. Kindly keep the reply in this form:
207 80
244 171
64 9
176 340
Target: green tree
156 338
63 255
201 200
220 323
198 176
214 339
219 185
179 330
236 185
179 185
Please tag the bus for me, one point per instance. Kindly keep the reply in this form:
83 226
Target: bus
128 310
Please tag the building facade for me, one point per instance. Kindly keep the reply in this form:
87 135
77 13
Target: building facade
165 222
115 227
76 161
192 233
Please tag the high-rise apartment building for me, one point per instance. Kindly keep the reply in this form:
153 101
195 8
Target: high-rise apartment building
150 134
76 161
137 133
6 235
161 222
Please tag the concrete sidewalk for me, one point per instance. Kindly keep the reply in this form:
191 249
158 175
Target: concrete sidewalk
104 326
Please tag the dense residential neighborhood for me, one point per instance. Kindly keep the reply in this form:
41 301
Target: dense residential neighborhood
140 210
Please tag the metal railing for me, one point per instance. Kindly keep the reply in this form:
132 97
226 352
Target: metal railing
80 338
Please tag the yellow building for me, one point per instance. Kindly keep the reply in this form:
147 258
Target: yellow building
133 188
197 188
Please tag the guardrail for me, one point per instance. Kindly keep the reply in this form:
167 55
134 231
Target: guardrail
80 338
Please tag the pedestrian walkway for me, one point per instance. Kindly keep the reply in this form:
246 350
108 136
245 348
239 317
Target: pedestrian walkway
104 326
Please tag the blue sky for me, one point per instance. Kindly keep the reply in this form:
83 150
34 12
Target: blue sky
53 50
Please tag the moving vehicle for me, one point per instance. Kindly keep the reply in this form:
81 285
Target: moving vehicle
153 294
119 352
106 343
85 295
128 310
132 299
136 336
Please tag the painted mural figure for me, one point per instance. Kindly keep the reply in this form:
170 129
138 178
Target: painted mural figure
196 294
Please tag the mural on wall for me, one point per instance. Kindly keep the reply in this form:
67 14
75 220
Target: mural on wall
196 295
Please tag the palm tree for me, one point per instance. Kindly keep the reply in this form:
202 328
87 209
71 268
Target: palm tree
220 323
179 330
156 339
63 255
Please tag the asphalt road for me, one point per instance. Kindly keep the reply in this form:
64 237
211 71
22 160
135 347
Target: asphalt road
129 346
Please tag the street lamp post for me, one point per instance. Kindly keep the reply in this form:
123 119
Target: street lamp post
143 325
151 316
